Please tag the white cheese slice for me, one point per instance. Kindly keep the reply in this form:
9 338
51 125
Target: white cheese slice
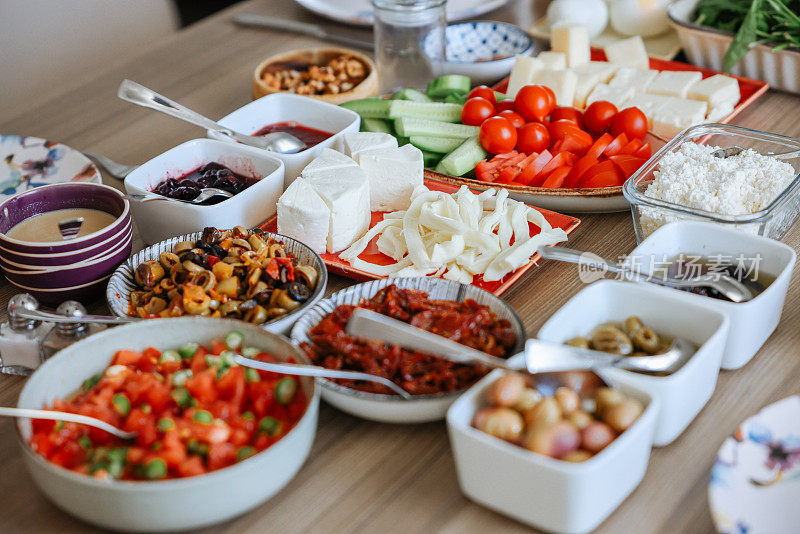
716 90
303 215
359 141
677 115
583 87
346 192
618 97
571 40
603 69
553 60
638 80
649 104
674 83
562 82
720 111
522 73
393 173
328 159
628 53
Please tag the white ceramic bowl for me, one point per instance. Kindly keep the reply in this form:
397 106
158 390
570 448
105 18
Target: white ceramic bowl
391 408
167 505
122 282
285 107
541 491
158 220
682 394
751 323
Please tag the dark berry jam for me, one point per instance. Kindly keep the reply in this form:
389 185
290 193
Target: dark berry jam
188 186
309 136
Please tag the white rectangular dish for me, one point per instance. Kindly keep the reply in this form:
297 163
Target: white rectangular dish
540 491
752 322
682 394
159 220
706 47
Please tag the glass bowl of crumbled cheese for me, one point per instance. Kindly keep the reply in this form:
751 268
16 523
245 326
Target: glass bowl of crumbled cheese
755 191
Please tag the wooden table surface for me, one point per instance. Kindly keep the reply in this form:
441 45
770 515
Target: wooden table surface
363 476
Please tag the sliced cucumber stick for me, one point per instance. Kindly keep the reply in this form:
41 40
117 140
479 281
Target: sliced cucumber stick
408 127
377 125
411 94
369 108
441 145
436 111
431 159
444 85
463 159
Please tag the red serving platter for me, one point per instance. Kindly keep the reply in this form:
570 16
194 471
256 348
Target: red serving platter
371 254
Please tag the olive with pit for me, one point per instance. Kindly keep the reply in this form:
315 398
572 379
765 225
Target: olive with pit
546 410
149 273
506 390
580 419
646 340
632 324
527 400
580 342
596 436
552 439
567 399
605 398
623 414
579 455
500 422
611 339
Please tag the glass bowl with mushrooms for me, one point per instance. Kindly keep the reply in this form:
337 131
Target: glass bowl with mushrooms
252 275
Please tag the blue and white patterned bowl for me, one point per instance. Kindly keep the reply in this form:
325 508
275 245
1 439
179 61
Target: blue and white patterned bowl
482 50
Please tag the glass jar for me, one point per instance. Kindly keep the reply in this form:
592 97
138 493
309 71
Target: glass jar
402 29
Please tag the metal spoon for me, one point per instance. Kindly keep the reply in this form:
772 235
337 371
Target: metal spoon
280 142
730 151
114 169
70 228
205 194
41 315
726 285
53 415
543 357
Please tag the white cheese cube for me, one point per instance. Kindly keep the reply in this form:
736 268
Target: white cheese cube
393 173
648 104
677 115
638 80
603 91
572 40
358 141
327 159
583 87
628 53
553 60
562 82
346 192
716 90
720 111
522 74
303 215
603 69
674 83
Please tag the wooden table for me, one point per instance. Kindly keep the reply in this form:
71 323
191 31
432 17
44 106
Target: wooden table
363 476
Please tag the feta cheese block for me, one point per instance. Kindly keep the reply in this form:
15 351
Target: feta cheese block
649 104
618 97
638 80
572 40
359 141
303 215
716 90
327 159
393 173
719 112
562 82
522 73
346 193
584 85
603 69
628 53
674 83
678 114
553 60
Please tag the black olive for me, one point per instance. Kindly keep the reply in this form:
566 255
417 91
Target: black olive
248 305
210 235
262 297
298 292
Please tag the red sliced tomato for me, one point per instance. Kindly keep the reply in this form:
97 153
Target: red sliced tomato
528 174
557 177
559 160
604 174
631 148
627 164
615 147
578 142
599 146
644 152
578 170
508 174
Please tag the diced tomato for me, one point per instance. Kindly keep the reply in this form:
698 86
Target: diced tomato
221 455
218 347
261 395
70 455
489 171
604 174
144 425
644 152
202 386
529 173
232 386
615 147
580 167
192 466
599 146
483 171
508 174
557 177
173 451
157 395
627 164
127 357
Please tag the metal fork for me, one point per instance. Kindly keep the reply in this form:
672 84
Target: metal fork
114 169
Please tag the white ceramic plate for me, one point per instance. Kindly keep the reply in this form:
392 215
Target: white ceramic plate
359 12
28 162
755 481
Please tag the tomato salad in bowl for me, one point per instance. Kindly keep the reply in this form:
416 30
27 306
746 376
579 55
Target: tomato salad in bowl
206 428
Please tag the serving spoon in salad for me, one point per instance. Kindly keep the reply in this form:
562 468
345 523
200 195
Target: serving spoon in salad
54 415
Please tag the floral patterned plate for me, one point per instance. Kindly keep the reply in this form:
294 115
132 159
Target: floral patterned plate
28 162
755 481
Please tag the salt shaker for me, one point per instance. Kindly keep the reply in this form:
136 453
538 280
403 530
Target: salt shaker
65 334
409 42
21 338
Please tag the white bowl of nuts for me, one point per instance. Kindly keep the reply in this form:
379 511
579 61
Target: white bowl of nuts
334 75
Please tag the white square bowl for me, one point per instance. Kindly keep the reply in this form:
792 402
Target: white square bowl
541 491
284 107
159 220
682 394
751 323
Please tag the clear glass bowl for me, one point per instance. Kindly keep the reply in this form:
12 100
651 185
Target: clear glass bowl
773 221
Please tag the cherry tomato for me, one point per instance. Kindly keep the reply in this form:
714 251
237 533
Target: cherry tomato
598 116
630 121
561 128
497 135
567 113
514 117
533 103
533 137
484 92
476 110
504 105
551 96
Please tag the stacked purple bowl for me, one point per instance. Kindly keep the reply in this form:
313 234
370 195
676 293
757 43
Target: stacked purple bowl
70 269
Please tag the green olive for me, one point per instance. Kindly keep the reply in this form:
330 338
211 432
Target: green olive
646 340
632 324
623 414
546 410
611 339
580 342
506 390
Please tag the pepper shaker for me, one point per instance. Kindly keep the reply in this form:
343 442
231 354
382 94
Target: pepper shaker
20 338
65 334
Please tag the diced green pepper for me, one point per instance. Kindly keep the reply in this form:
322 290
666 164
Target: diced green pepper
121 404
187 351
285 390
249 416
169 356
234 340
179 378
182 397
270 426
252 375
165 423
85 443
154 469
89 383
244 453
251 352
203 416
197 447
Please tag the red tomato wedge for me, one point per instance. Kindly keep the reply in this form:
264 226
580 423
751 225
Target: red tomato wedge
557 177
578 170
577 141
508 174
644 152
627 164
528 174
604 174
599 146
631 148
559 160
615 147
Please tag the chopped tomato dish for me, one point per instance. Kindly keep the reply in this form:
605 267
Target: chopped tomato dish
467 322
193 409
